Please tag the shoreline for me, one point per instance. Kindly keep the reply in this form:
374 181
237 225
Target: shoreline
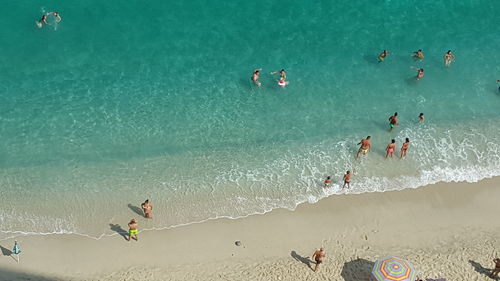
431 219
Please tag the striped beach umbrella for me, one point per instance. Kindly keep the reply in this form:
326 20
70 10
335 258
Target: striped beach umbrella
393 269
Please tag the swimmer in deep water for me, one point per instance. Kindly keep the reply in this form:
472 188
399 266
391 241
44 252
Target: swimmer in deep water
448 58
282 83
419 55
281 72
382 56
255 76
42 21
499 86
420 73
57 16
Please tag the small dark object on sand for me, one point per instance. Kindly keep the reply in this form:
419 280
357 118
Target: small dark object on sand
237 243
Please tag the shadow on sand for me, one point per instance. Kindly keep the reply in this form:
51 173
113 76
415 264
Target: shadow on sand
304 260
8 274
5 251
359 269
136 209
118 229
479 268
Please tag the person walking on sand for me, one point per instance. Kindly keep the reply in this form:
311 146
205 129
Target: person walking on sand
496 270
393 121
391 147
420 73
318 257
382 56
365 146
147 208
404 148
421 118
255 76
328 182
347 180
132 230
448 58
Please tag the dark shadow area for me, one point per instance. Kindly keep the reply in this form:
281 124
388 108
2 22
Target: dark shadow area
479 268
359 269
304 260
5 251
136 209
412 81
371 59
10 275
118 229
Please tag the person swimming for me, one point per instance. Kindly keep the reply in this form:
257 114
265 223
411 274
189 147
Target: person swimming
382 56
419 55
255 77
281 72
57 16
420 73
42 21
448 58
282 83
421 118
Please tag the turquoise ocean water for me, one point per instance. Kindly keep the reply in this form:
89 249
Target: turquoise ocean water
120 102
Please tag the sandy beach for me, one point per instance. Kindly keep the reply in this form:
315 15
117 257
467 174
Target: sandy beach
447 230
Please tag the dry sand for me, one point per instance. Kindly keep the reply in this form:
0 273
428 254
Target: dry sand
447 230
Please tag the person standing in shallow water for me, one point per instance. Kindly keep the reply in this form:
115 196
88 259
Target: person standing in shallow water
318 257
404 148
421 118
347 180
393 121
328 182
391 147
365 146
147 208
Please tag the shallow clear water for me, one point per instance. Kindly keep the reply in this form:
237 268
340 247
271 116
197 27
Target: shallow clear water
119 103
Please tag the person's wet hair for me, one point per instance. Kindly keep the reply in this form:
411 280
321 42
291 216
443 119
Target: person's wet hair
395 114
393 140
421 114
368 137
348 172
328 177
449 51
407 140
421 69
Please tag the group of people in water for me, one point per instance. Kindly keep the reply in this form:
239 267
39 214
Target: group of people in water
281 82
43 19
418 55
366 144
